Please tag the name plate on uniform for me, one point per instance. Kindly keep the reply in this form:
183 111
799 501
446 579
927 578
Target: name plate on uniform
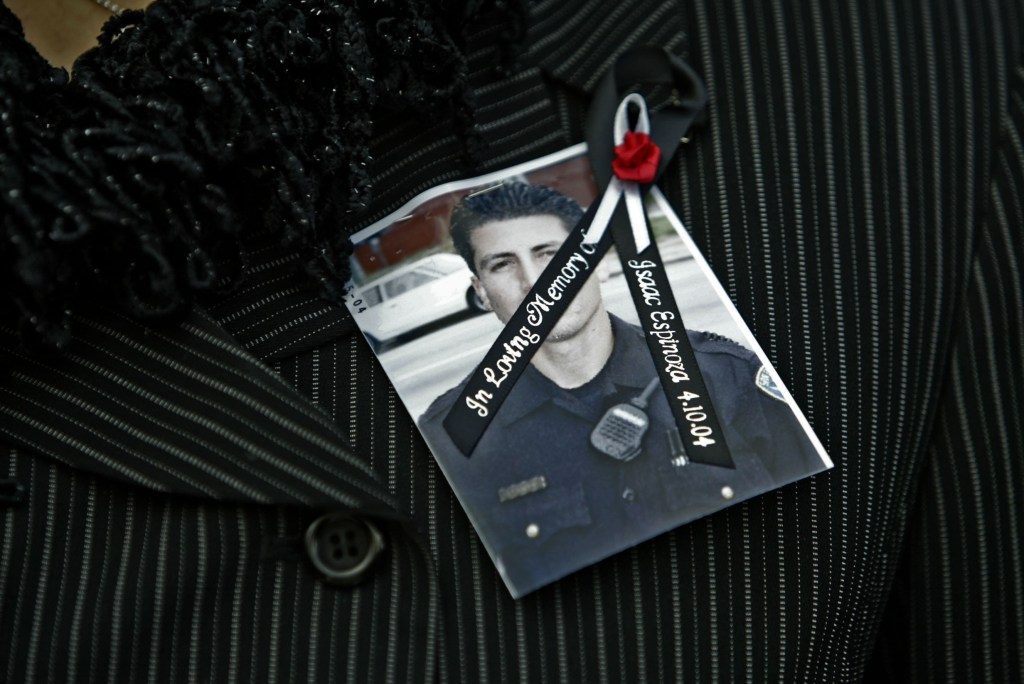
483 298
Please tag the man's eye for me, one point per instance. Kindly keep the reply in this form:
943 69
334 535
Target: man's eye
546 254
499 265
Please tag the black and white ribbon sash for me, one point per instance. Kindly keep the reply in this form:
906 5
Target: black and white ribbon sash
619 215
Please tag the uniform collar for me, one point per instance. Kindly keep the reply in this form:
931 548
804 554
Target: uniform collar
629 346
533 390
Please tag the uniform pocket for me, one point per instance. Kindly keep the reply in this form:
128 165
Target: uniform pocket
536 517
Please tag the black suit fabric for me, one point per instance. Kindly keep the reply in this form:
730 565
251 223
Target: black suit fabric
856 186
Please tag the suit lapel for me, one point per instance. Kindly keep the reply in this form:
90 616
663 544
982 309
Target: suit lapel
183 410
275 312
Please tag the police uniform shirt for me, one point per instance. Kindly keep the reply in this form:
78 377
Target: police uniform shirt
544 497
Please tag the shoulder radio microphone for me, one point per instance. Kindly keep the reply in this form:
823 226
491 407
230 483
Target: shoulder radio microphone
621 429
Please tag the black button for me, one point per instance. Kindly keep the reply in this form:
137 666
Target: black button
343 547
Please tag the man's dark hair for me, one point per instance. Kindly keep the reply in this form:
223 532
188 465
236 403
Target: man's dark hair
510 200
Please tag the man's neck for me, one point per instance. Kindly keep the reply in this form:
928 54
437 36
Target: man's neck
61 30
576 361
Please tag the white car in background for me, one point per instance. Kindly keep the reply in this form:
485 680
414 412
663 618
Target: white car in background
414 296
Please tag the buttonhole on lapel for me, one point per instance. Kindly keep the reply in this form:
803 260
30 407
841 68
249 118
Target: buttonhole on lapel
279 549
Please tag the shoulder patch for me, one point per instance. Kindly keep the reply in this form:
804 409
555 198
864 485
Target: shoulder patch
764 382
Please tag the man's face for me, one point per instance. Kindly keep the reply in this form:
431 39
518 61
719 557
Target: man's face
510 255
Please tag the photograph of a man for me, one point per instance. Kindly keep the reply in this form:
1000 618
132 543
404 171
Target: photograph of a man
544 495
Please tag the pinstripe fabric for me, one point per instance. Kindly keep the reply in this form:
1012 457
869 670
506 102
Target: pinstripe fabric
856 186
964 581
134 588
276 285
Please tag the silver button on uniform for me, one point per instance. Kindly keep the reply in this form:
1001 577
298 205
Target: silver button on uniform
343 547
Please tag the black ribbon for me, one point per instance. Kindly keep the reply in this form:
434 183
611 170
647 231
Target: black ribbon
681 379
577 260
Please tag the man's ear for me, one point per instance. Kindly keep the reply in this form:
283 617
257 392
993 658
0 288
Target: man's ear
482 293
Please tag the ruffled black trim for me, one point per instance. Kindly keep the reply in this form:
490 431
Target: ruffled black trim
194 124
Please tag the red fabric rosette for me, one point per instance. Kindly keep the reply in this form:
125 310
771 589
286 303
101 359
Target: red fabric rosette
636 159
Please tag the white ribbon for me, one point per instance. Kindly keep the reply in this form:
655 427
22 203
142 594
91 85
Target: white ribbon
618 188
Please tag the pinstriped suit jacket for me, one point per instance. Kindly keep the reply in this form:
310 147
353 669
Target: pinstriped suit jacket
857 187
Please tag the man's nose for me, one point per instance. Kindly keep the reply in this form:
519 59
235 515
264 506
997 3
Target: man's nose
528 274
